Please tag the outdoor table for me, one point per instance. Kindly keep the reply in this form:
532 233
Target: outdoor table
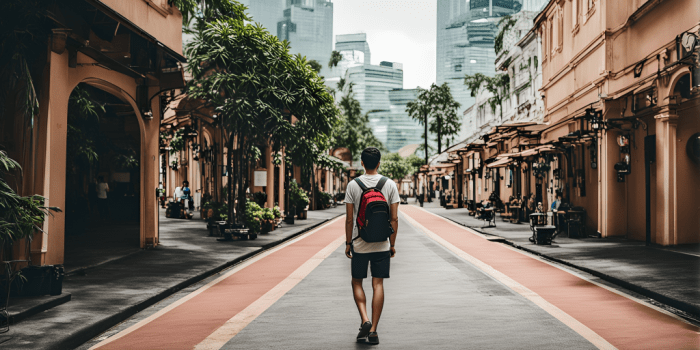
538 219
514 210
575 220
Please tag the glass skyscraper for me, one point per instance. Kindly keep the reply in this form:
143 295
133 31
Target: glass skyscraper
308 26
393 126
266 12
357 42
465 39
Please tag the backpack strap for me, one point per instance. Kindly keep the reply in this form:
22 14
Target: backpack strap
362 186
381 183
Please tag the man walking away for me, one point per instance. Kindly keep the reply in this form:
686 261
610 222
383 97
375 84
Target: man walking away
102 204
373 242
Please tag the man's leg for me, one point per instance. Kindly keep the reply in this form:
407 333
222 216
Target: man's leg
360 299
377 301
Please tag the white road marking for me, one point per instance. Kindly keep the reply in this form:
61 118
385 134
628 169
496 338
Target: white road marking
562 316
236 324
228 274
572 272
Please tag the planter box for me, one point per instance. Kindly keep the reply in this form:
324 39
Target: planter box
266 227
303 215
41 280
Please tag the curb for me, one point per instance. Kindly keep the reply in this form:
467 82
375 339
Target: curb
81 336
691 312
16 317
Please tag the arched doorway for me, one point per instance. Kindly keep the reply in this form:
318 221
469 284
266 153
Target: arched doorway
103 178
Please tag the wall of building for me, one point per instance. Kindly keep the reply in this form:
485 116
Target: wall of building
688 178
308 26
156 17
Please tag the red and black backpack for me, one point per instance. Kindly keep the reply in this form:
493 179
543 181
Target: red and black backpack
373 219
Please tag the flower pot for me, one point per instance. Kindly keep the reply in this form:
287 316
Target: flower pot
266 227
302 215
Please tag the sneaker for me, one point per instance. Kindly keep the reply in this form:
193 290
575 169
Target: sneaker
364 331
373 338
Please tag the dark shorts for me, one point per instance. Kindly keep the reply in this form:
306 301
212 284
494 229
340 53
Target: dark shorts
378 262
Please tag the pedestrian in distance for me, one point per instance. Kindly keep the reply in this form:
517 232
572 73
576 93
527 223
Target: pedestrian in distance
371 225
103 206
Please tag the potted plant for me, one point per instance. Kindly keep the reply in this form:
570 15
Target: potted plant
260 198
298 200
278 215
268 219
253 219
216 213
301 204
20 218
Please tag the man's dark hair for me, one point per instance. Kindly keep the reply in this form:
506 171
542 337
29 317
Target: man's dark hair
371 157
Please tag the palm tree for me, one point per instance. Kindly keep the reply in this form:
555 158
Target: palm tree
336 57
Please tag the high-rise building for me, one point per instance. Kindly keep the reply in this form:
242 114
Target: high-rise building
357 42
465 39
266 12
371 83
308 26
393 126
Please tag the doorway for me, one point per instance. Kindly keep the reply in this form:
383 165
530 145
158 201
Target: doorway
102 178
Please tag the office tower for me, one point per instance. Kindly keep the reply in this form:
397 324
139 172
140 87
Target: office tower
393 126
465 38
357 42
308 26
266 12
371 83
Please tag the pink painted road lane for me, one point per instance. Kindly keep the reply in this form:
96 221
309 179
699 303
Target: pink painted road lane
619 320
188 324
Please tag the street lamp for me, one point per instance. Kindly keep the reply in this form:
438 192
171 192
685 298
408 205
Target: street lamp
595 118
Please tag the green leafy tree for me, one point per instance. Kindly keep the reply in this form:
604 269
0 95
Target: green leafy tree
445 122
506 23
353 131
498 86
20 216
438 108
336 57
260 91
394 166
83 130
420 110
315 66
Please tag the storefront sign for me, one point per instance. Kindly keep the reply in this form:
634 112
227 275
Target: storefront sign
260 178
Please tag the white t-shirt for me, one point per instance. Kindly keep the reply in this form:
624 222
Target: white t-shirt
353 194
102 189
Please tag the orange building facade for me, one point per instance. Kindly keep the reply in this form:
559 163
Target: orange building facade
129 50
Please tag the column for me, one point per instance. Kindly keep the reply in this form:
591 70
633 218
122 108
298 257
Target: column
283 173
269 186
666 197
51 169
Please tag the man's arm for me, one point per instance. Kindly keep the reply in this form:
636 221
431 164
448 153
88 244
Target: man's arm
349 208
394 212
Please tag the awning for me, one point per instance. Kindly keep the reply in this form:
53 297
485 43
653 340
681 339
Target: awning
443 165
509 155
537 150
500 163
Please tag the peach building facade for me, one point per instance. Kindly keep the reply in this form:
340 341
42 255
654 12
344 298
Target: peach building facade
629 63
134 52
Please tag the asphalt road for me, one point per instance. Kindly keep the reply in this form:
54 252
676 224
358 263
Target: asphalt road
433 300
450 289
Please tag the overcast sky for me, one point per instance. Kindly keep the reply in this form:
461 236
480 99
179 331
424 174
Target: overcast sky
397 31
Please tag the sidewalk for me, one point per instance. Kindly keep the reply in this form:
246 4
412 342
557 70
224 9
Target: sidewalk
107 294
668 275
